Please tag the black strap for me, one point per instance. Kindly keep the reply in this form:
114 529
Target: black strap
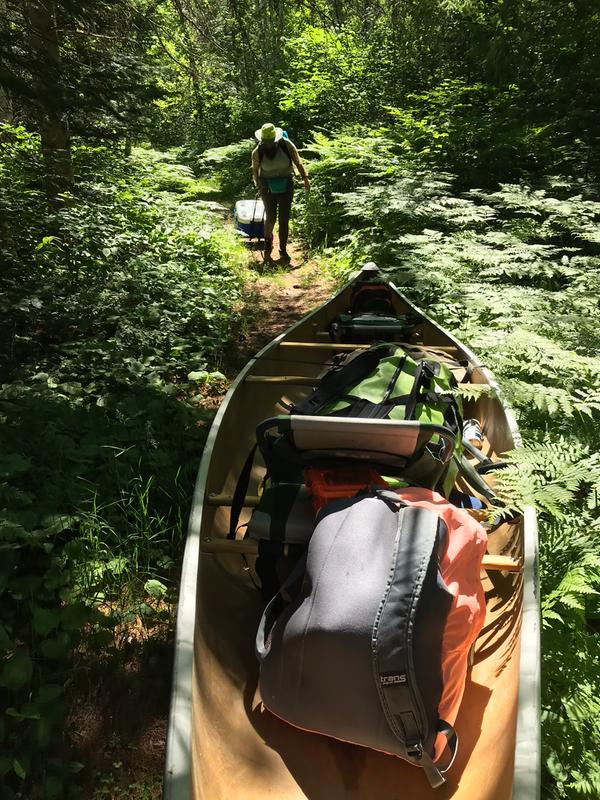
239 494
272 610
282 144
392 383
336 380
415 391
392 650
451 740
474 479
434 774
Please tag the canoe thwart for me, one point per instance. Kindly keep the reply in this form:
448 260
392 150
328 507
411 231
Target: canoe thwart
502 563
305 380
351 346
249 547
326 345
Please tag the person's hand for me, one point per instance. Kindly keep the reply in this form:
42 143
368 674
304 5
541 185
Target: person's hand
306 184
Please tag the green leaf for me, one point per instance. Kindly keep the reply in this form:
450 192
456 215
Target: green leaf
57 648
46 240
17 671
19 769
198 377
29 711
45 620
57 523
155 589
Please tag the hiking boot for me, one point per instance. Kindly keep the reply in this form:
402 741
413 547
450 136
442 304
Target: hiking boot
267 251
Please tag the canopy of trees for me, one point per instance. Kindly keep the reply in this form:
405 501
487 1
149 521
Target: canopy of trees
456 142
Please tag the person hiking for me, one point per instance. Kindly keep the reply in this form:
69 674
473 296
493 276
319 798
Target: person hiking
272 173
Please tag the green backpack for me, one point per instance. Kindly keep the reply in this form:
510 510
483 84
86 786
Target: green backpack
384 382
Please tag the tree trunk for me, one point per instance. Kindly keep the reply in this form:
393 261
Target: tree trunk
5 106
53 123
5 101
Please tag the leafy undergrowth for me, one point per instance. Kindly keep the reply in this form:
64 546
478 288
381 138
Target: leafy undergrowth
515 273
115 312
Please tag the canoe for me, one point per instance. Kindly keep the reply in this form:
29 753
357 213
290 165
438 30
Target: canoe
222 744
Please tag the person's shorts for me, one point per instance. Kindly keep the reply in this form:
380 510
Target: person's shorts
273 202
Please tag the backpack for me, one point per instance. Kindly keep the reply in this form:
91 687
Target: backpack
373 646
380 383
281 144
384 382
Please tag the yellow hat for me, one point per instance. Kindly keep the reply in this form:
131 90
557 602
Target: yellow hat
268 133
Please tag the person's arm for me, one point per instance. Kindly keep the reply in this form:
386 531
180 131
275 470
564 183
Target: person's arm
255 166
297 161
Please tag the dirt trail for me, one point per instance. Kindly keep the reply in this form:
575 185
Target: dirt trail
280 296
124 747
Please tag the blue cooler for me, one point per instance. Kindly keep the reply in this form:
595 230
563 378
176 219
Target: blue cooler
249 217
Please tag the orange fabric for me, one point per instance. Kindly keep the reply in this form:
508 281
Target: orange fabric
330 484
460 568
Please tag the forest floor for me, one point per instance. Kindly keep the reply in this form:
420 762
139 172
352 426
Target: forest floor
279 296
120 728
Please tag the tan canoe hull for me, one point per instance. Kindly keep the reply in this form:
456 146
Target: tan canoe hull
222 743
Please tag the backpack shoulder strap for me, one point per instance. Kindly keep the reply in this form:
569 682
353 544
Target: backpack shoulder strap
342 376
394 669
282 144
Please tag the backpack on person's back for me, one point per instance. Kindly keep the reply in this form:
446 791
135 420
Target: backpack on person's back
281 144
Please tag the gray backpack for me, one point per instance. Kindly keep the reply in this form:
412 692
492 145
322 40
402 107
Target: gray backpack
356 654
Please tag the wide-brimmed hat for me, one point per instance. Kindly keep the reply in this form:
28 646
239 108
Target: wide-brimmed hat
268 133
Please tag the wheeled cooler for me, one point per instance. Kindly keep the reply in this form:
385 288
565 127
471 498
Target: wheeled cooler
249 216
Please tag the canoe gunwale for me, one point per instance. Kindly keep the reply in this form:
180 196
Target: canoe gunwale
527 766
179 732
528 760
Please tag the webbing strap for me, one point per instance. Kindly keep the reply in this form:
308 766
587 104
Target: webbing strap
239 494
339 378
434 774
392 383
392 638
452 741
412 398
272 609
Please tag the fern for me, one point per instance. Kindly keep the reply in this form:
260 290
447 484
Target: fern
516 274
580 582
552 401
475 391
546 475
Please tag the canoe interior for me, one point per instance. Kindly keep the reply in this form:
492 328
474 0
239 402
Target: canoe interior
240 751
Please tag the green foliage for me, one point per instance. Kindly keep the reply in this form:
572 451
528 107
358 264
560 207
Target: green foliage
230 167
116 310
326 81
547 476
515 273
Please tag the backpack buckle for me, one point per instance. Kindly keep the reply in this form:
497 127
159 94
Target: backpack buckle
414 750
